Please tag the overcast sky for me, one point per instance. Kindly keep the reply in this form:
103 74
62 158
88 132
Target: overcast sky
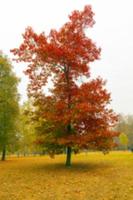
113 32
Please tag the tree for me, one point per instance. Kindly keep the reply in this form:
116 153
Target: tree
74 114
9 107
130 131
125 125
26 129
123 140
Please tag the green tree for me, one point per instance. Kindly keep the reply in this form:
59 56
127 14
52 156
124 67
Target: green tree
26 129
123 140
9 107
125 125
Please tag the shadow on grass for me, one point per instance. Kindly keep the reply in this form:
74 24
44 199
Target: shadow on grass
6 161
76 167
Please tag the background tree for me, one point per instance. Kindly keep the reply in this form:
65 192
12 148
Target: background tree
123 140
26 129
9 108
130 131
74 115
125 125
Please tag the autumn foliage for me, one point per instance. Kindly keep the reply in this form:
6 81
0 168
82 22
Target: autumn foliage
74 112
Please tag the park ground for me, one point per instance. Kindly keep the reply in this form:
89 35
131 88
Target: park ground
93 176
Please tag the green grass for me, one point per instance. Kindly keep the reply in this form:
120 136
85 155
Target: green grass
93 176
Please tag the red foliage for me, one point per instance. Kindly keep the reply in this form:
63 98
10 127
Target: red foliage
80 113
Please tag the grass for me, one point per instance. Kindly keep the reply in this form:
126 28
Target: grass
93 176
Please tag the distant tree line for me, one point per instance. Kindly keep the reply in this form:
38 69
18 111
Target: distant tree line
125 127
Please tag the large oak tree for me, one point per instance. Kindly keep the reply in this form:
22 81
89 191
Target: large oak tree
73 113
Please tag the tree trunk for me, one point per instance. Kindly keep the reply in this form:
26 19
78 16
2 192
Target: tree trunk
68 156
3 153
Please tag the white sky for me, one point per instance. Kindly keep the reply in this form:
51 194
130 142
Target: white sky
113 32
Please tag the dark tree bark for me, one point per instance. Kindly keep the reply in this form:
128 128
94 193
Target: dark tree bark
3 153
68 156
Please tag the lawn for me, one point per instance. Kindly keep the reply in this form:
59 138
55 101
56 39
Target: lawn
93 176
